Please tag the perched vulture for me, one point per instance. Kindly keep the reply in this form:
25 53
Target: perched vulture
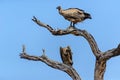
74 15
66 55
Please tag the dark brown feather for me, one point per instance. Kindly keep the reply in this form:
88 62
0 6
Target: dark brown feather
66 55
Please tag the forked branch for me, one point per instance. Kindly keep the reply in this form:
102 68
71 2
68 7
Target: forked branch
54 64
101 57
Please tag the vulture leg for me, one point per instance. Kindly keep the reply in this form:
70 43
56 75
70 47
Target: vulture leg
73 24
70 23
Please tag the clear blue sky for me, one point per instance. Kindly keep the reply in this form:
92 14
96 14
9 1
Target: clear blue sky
17 28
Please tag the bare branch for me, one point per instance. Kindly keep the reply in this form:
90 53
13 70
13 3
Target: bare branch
74 31
23 50
54 64
112 53
42 24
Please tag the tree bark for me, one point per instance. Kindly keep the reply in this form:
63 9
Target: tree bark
101 57
100 68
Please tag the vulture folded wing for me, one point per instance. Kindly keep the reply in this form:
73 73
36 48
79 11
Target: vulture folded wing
61 54
74 13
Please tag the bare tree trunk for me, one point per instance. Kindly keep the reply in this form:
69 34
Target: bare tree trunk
100 67
101 57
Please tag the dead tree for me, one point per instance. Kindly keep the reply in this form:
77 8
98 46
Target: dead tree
101 57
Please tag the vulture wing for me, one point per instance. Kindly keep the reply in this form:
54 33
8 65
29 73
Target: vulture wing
66 55
73 13
70 52
61 54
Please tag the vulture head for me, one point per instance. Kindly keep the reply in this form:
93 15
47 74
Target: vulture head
59 7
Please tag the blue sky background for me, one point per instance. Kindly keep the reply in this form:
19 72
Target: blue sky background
17 28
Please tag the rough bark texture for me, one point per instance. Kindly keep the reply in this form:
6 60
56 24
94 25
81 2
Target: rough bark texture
101 57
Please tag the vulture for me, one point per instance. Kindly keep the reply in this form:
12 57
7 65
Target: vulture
74 15
66 55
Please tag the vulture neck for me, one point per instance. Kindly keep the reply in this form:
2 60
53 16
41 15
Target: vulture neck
60 11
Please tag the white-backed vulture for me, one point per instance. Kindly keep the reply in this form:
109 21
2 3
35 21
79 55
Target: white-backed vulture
66 55
74 15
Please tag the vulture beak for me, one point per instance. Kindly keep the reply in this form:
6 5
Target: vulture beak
90 17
